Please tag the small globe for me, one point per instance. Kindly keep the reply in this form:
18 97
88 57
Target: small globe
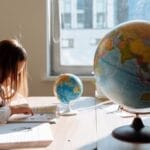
122 65
68 87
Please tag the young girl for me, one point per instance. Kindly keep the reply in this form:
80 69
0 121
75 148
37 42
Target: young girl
13 78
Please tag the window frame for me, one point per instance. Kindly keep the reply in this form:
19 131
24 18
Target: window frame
53 67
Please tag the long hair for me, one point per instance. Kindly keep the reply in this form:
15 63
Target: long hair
11 82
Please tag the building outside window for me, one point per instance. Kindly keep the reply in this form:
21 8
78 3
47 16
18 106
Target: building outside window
86 22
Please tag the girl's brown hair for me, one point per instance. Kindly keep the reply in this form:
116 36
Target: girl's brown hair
11 54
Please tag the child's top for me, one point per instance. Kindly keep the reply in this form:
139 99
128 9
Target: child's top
5 113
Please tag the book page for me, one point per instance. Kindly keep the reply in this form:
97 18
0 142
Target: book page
37 117
14 135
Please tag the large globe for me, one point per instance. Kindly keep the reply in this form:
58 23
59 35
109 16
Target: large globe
68 87
122 65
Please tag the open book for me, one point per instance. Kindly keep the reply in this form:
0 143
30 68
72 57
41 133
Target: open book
37 105
43 111
25 135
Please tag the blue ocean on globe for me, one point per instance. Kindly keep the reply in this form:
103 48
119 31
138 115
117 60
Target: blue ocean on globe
68 87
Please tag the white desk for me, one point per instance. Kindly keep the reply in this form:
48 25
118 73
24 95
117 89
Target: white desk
88 130
106 123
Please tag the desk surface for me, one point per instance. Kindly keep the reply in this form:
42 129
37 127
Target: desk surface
88 130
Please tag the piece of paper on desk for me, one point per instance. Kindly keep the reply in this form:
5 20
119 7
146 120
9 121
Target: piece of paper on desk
24 135
110 107
38 117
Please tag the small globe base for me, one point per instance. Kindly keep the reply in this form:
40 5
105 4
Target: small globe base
68 113
136 132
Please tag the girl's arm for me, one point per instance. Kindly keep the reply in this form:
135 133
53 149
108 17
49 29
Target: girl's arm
7 111
19 105
21 110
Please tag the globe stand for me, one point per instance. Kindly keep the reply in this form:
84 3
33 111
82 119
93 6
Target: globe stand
68 111
136 132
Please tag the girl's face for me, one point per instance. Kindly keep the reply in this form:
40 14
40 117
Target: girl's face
21 66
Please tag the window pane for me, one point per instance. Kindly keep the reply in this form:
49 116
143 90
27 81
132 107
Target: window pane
80 4
80 20
85 22
66 20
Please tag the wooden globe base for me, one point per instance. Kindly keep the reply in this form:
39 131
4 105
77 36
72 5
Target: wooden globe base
136 132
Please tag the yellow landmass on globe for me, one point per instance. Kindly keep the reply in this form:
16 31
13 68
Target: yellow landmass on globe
126 54
146 97
140 49
64 79
76 89
105 46
133 46
142 31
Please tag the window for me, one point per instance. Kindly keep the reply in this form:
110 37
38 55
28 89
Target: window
101 20
76 26
80 4
80 20
66 20
67 43
94 41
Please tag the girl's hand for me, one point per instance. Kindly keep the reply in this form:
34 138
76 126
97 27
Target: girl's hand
21 110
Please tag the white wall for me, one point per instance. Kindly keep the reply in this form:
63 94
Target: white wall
26 20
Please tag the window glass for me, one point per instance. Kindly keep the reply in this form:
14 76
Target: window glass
89 22
85 22
66 20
